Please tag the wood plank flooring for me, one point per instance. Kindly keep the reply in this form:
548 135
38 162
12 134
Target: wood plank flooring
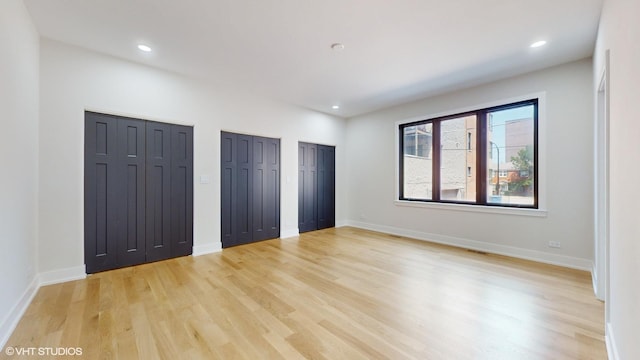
333 294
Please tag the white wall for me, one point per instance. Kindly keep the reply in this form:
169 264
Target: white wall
74 80
19 161
619 33
568 178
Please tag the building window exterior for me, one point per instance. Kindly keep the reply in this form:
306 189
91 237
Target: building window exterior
483 157
417 140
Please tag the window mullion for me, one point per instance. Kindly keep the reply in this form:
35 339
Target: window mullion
481 153
401 162
437 156
535 155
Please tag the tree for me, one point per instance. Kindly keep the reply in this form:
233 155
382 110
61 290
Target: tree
523 163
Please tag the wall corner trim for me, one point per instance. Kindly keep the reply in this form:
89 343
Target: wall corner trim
199 250
61 275
8 325
342 223
289 233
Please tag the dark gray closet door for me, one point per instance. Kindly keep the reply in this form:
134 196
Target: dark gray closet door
181 190
138 191
114 192
326 186
236 189
266 188
228 188
316 186
158 233
250 188
244 190
307 187
131 193
100 163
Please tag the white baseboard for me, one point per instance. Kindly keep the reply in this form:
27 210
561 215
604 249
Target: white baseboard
62 275
612 349
539 256
11 321
199 250
289 233
341 223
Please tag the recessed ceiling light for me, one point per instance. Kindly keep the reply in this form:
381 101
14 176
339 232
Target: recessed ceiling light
335 107
144 48
337 46
538 44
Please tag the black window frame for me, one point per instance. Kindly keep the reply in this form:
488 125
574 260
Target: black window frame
481 156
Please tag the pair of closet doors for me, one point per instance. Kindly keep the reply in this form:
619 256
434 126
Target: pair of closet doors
250 188
316 186
138 191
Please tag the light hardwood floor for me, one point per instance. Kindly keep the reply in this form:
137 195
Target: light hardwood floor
332 294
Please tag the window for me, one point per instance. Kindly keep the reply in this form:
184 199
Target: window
417 140
483 157
455 159
417 147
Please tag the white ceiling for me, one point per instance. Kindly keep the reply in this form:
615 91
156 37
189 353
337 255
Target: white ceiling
395 50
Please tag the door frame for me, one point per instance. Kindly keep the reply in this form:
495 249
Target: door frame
602 187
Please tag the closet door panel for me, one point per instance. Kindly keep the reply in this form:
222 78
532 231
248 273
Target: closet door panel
181 189
260 190
100 212
228 187
237 190
307 187
131 245
244 190
272 203
326 186
158 170
266 188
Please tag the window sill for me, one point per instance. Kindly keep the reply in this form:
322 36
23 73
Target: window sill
473 208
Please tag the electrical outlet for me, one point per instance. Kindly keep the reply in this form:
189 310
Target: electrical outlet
555 244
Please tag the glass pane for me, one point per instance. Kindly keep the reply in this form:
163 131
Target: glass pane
417 162
510 170
458 159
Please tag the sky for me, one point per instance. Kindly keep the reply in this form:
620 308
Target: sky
499 120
